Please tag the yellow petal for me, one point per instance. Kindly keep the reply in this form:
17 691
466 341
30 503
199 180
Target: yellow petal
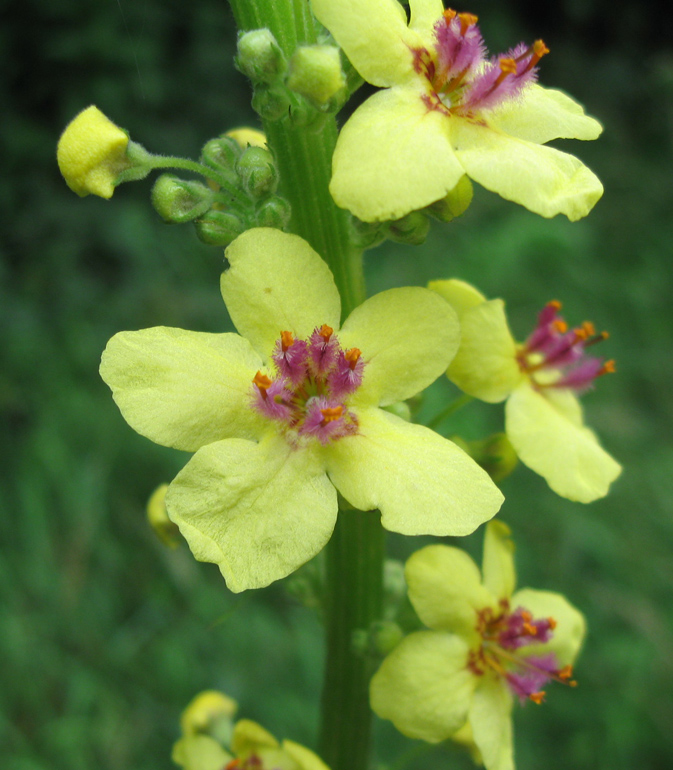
373 35
199 752
424 686
544 180
422 483
547 433
258 511
446 591
485 365
543 114
459 294
303 757
407 337
183 389
424 15
498 562
205 708
249 737
491 721
276 282
393 156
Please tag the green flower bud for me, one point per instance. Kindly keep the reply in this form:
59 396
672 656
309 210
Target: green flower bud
455 203
315 73
163 527
367 235
412 229
178 200
273 212
259 56
271 103
257 171
384 635
218 228
399 409
495 454
222 154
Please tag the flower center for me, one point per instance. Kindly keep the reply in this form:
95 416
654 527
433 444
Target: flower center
502 636
555 356
462 79
314 379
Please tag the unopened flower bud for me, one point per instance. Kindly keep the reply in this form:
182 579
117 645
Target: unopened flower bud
384 635
218 228
399 409
178 200
412 229
247 137
259 56
163 527
495 454
315 73
455 203
91 153
273 212
271 102
222 154
206 712
257 171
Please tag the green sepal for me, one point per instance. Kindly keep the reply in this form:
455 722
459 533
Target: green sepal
178 200
218 228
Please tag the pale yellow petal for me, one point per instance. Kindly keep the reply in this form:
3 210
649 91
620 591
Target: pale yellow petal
485 365
491 721
570 623
304 758
199 752
548 437
183 389
424 15
498 562
277 282
544 180
249 737
407 337
446 591
459 294
424 686
393 156
422 483
373 35
543 114
258 511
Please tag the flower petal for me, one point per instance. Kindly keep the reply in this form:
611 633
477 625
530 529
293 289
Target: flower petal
491 721
459 294
424 686
498 563
543 114
407 337
547 433
424 15
422 483
373 35
544 180
258 511
485 365
570 623
249 737
393 156
277 282
304 758
199 752
446 590
183 389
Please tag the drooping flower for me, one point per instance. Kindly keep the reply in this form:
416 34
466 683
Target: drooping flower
488 644
447 110
541 380
207 729
91 153
285 415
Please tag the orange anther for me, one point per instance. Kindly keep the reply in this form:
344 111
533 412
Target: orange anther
560 325
331 413
589 328
507 66
449 14
552 623
326 332
530 629
467 20
608 367
540 49
233 765
538 697
263 383
352 356
565 673
286 340
526 616
555 304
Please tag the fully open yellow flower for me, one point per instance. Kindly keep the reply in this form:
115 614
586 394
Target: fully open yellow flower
446 111
539 379
488 643
288 413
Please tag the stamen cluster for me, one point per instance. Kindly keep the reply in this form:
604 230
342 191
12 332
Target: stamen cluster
314 379
556 357
463 79
502 636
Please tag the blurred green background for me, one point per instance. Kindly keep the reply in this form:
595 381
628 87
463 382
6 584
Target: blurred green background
104 634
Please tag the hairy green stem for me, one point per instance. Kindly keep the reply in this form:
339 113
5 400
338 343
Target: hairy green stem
354 555
164 161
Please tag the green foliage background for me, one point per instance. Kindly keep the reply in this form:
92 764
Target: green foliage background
104 634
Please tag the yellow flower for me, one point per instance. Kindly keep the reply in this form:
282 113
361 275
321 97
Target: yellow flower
91 153
539 379
446 111
285 415
488 643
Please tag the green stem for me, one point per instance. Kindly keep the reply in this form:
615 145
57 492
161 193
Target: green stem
165 161
451 408
354 555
